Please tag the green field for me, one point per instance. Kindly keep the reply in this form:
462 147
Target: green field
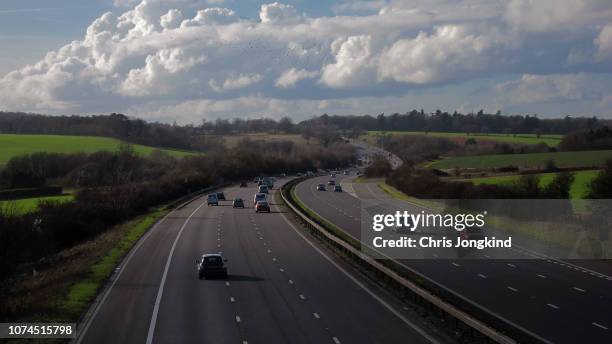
14 145
231 141
26 205
530 161
578 189
529 139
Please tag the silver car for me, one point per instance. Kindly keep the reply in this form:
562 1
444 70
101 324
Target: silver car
259 197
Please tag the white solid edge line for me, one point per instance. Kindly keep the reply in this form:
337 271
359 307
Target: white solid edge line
160 291
124 263
362 286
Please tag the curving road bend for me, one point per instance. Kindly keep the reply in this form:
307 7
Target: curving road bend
282 288
554 300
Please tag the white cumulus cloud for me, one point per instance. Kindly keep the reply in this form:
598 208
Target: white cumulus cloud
292 76
449 51
278 13
175 52
236 82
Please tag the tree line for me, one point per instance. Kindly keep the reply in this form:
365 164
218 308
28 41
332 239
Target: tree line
325 128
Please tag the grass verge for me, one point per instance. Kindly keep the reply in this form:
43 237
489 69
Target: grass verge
60 287
83 291
395 193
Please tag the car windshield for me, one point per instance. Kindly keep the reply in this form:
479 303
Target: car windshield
212 260
212 196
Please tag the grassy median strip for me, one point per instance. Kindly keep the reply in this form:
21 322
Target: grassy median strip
84 290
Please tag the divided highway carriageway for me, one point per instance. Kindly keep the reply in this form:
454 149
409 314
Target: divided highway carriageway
281 288
555 301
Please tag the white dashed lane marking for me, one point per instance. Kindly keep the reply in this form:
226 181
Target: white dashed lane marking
455 264
316 315
541 276
482 276
238 319
600 326
553 306
579 289
336 340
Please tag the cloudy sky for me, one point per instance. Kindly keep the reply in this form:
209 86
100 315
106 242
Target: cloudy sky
186 60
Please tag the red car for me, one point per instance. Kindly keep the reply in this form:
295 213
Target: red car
262 206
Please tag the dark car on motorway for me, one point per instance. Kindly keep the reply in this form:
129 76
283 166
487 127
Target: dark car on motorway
331 182
244 184
212 199
262 206
321 187
263 189
259 197
211 265
221 196
337 188
238 203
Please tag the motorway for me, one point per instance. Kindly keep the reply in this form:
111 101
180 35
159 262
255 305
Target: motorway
554 300
282 287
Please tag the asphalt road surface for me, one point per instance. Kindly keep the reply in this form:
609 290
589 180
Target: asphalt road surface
281 287
555 300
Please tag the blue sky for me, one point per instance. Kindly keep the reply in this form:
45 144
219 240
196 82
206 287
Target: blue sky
186 60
